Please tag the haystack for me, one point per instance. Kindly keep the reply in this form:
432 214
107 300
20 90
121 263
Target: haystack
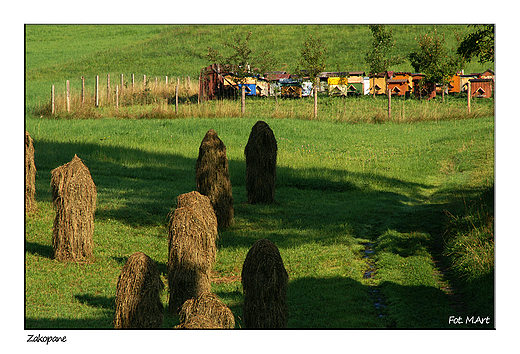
207 309
212 177
201 204
260 151
264 281
138 302
192 251
30 175
74 198
197 322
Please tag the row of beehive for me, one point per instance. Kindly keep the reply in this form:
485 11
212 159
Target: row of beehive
353 83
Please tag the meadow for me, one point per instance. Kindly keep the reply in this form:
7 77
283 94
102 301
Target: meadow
418 192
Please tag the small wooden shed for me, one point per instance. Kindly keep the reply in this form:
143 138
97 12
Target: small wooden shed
324 79
337 86
398 87
488 74
464 79
213 84
290 88
454 85
274 78
481 88
355 82
378 82
422 89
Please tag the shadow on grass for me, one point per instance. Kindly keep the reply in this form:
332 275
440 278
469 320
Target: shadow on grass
97 301
319 303
39 250
140 188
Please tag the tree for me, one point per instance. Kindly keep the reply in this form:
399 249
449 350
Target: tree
434 60
242 60
378 58
480 43
312 64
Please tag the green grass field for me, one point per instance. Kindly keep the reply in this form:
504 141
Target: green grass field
418 191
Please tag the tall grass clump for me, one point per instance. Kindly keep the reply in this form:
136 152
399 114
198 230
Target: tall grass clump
470 250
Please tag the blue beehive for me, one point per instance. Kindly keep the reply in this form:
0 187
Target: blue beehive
250 89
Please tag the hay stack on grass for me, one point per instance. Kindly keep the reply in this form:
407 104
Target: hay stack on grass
212 177
138 302
260 151
207 311
197 322
192 250
30 175
74 198
264 281
202 204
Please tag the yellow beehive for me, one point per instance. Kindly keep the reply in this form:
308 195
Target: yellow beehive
337 81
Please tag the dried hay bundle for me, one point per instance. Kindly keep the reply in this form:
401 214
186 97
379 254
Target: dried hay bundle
138 302
264 281
192 249
197 322
202 204
30 175
260 151
74 197
212 177
185 284
209 307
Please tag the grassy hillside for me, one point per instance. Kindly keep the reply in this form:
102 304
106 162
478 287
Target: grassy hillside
55 53
368 216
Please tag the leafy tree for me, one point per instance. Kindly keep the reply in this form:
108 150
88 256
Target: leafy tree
434 60
243 60
480 43
378 58
312 64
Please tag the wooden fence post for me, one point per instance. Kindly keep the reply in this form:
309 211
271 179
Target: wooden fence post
108 89
315 88
166 81
82 90
389 92
133 82
243 99
144 81
97 91
68 96
200 88
117 99
469 97
52 100
177 95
